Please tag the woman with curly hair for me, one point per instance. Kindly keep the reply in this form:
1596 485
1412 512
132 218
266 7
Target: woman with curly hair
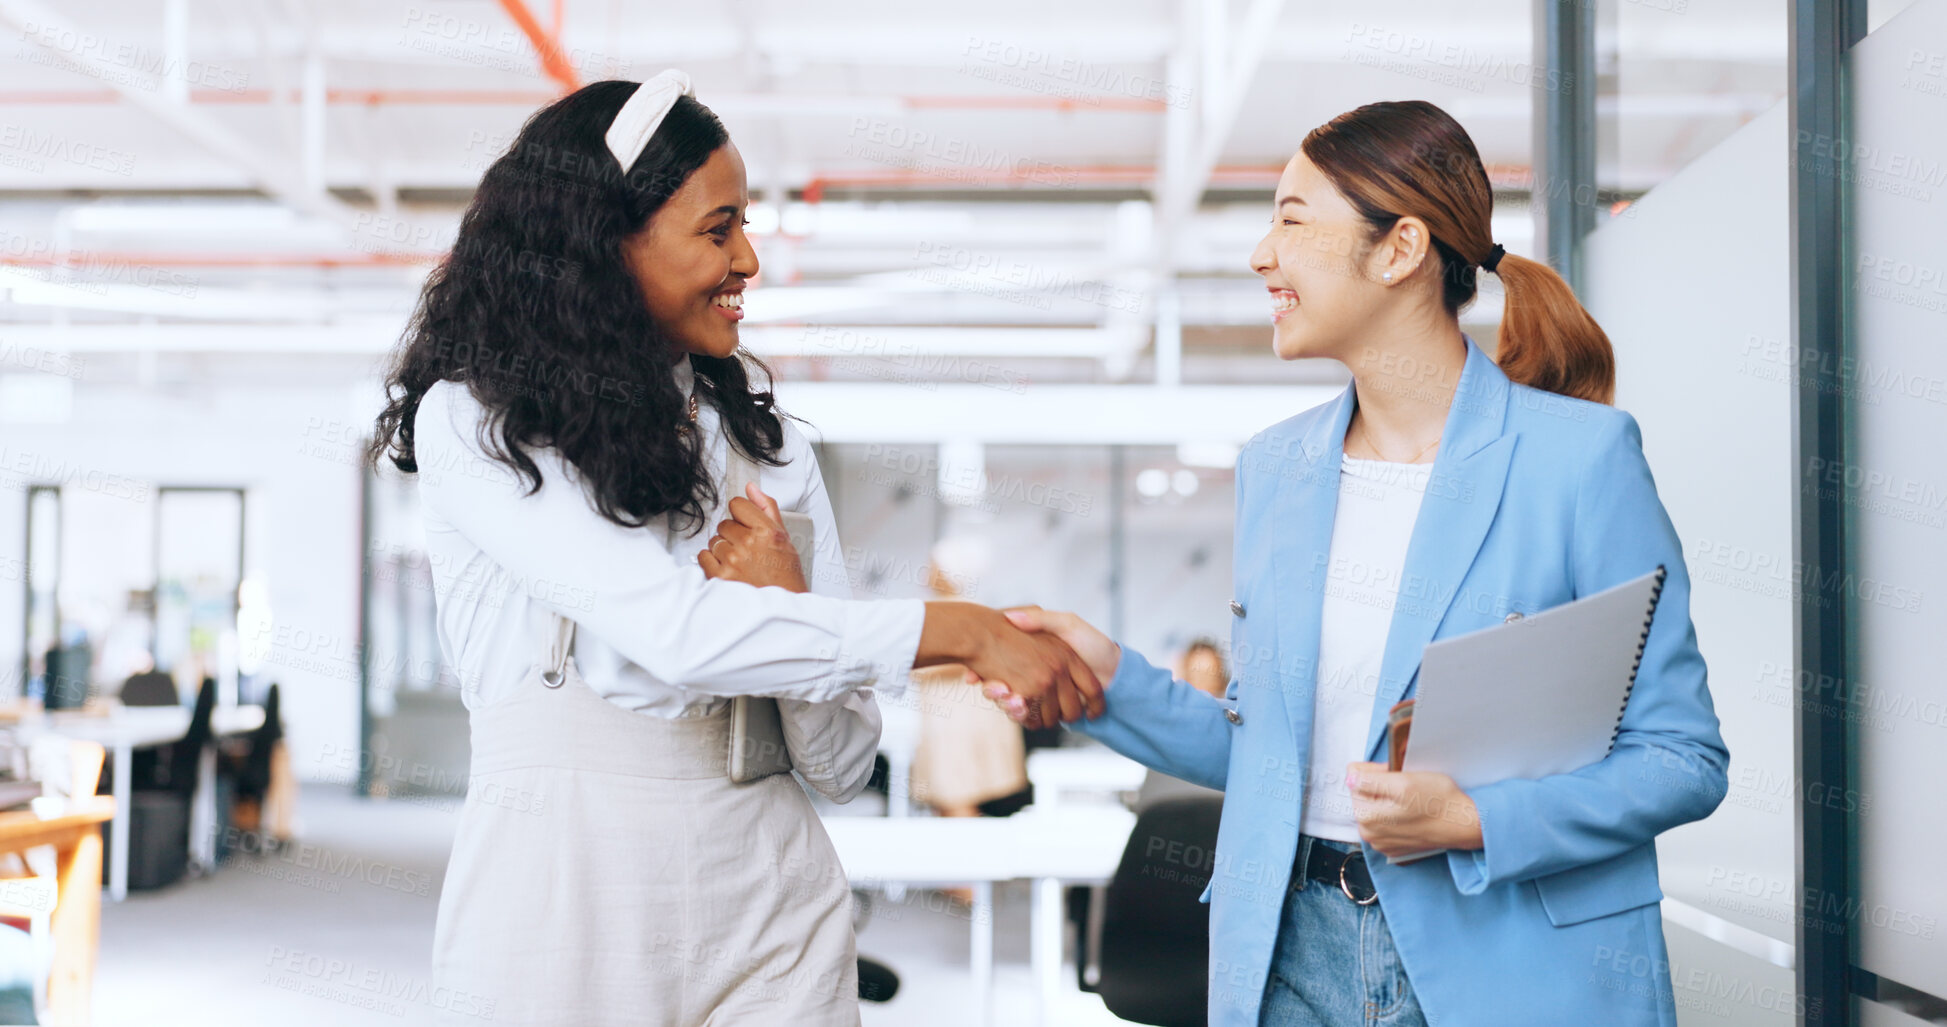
572 397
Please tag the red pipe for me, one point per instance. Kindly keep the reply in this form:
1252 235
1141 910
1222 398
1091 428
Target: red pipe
532 98
553 61
1049 174
84 259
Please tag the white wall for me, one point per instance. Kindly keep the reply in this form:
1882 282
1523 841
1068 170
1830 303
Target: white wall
292 447
1895 487
1693 289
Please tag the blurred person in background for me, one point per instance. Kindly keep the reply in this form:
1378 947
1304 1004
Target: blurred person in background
1203 667
969 752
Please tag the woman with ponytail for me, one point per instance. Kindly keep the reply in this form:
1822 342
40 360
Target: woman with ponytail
1444 491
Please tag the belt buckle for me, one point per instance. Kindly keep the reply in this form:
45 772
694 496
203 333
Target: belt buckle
1346 887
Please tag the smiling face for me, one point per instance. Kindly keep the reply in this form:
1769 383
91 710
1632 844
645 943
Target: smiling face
693 258
1320 265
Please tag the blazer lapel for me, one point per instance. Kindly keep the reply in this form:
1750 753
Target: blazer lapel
1306 502
1463 494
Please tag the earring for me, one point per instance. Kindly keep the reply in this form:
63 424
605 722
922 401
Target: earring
1386 277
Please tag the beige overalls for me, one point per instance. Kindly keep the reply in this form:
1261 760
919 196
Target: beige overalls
606 871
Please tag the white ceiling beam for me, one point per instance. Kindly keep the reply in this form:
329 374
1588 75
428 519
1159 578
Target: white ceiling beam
891 344
1318 39
64 41
864 412
1260 24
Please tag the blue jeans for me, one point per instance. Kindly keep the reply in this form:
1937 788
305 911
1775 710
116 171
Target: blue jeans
1334 965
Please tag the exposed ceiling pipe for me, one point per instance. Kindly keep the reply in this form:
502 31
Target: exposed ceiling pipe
534 98
82 260
1050 174
47 29
547 44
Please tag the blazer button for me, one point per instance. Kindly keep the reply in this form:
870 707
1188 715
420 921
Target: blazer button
1512 616
1236 608
1233 716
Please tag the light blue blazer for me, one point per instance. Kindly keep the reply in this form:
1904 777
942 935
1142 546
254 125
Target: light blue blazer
1534 499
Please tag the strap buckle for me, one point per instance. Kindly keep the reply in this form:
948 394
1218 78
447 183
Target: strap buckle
1346 886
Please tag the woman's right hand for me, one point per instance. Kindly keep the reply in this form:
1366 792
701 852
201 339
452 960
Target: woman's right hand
752 546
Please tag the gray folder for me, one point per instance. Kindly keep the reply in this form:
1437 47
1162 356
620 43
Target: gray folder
1535 696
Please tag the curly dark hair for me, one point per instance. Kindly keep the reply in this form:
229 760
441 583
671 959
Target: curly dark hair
537 312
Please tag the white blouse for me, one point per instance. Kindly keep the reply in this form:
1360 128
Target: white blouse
1379 501
653 635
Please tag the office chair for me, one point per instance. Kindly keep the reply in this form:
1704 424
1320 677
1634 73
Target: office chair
1153 950
150 688
158 811
246 766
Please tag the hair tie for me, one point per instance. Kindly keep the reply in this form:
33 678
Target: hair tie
638 118
1493 258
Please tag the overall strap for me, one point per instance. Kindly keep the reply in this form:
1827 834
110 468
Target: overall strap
560 647
738 471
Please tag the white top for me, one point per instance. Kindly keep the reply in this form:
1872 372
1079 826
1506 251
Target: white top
653 634
1378 502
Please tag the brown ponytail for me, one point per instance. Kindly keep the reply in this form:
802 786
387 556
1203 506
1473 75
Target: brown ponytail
1394 159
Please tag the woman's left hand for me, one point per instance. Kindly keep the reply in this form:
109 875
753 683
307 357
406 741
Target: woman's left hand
1406 811
752 546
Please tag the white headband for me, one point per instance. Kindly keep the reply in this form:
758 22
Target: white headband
638 118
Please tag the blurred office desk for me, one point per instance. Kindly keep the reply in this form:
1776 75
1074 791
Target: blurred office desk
1080 844
1090 769
127 728
76 919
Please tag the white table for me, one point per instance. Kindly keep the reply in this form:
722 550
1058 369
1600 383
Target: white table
1080 844
1084 769
127 728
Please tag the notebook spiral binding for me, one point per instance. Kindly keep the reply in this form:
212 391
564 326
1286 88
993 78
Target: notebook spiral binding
1656 595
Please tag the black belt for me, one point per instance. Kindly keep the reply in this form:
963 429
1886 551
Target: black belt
1345 871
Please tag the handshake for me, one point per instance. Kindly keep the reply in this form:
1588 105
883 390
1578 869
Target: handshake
1041 667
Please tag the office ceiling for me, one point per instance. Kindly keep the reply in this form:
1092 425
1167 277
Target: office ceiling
276 176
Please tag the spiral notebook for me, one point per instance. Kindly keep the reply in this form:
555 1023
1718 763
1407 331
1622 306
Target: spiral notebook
1535 696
